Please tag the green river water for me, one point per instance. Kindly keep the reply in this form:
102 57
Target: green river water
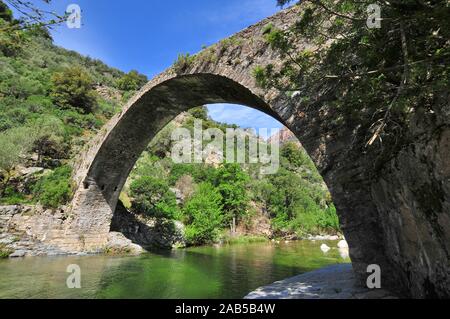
201 272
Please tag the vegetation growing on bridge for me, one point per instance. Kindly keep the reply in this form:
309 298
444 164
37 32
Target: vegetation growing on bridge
378 77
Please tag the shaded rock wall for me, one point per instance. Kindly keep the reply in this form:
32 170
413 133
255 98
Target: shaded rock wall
148 232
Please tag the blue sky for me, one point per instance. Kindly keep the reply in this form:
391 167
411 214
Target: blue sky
148 36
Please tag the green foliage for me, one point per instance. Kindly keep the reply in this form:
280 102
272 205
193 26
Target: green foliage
380 77
231 181
11 43
72 88
240 240
183 63
14 143
4 251
259 73
12 197
200 172
204 214
297 205
49 136
153 197
294 155
5 13
296 198
55 189
200 113
131 81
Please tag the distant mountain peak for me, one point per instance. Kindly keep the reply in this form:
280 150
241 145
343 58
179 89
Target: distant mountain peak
284 135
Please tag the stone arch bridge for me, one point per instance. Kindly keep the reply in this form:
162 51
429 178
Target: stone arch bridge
399 220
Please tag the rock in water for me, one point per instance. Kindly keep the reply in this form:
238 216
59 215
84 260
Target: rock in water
119 244
325 248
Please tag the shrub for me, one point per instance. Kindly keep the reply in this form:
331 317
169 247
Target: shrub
72 88
108 108
204 214
131 81
200 113
231 181
12 197
4 251
55 189
153 197
14 144
183 63
48 132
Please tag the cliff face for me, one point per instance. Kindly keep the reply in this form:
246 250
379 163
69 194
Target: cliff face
285 136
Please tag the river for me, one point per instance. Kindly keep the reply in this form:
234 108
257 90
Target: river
200 272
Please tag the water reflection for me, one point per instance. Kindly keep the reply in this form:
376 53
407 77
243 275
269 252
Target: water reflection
202 272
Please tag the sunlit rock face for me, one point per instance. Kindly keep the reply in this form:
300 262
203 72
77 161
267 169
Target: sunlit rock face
394 212
285 136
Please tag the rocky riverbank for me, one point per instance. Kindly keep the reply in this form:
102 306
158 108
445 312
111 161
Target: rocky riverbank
34 231
334 282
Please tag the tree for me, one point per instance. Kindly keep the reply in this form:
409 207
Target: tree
11 42
153 197
5 13
200 113
132 81
204 212
32 15
48 132
72 88
294 155
54 189
14 145
231 181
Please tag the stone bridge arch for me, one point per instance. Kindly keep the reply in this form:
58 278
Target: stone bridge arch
384 218
104 170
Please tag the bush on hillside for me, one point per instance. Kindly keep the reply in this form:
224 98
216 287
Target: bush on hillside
73 88
204 215
152 196
131 81
54 189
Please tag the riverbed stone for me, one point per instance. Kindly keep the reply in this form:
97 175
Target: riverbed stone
333 282
18 254
119 244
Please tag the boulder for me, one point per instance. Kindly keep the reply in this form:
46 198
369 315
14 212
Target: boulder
118 243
